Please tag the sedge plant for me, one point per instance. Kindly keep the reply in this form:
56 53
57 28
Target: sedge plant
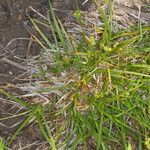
104 84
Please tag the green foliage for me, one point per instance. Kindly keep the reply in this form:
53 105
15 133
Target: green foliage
1 145
106 87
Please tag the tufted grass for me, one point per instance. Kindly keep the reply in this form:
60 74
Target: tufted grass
100 86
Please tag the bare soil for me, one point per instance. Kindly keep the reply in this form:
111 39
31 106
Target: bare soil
14 38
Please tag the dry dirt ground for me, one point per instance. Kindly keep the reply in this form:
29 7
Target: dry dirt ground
14 38
15 49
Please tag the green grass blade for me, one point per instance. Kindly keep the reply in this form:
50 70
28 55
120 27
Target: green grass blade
27 121
19 101
1 145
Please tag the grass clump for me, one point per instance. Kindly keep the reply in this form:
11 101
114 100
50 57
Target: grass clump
99 85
